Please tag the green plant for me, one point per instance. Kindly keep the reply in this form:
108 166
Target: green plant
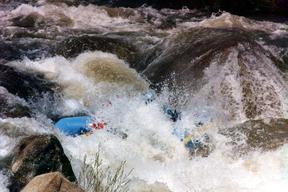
97 178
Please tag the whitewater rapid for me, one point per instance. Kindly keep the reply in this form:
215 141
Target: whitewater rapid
101 84
154 154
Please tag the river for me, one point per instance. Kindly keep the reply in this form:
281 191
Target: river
218 69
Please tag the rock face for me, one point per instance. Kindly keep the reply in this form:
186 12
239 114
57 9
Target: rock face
36 155
265 134
51 182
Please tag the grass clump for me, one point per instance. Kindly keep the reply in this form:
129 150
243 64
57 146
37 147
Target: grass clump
97 178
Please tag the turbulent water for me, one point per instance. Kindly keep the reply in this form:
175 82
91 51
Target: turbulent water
218 69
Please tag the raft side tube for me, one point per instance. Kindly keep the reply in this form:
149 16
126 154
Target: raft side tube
74 126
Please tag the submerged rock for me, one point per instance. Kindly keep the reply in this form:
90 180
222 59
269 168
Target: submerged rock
74 45
51 182
25 44
36 155
22 84
11 106
264 134
31 20
8 51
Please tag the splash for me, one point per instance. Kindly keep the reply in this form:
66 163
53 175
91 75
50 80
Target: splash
156 156
89 77
165 160
82 17
247 85
3 182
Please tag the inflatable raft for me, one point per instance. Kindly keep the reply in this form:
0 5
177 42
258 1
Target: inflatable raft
74 126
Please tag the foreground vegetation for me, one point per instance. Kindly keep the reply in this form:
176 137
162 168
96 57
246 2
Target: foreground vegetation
96 177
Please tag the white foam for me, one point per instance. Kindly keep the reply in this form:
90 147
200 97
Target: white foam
80 17
154 154
15 127
6 145
3 182
227 20
90 76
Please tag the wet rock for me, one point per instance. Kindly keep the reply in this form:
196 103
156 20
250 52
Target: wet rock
120 12
28 44
22 84
8 51
11 106
36 155
264 134
188 46
14 111
51 182
31 20
75 45
5 162
206 62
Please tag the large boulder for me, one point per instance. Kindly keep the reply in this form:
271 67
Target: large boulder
51 182
267 134
220 64
36 155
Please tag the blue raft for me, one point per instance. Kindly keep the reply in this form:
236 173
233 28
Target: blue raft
74 126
